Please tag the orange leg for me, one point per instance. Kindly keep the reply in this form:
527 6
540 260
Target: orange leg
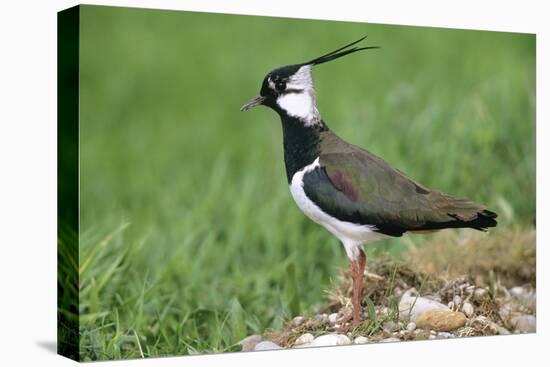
357 269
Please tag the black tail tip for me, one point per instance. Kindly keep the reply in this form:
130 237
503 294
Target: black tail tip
486 219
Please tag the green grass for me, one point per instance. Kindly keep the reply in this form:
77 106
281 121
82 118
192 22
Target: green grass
189 237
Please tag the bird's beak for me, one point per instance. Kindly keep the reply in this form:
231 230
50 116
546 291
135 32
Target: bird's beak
256 101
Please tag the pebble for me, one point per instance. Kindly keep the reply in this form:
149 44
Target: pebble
333 318
330 339
321 317
298 320
250 342
389 326
517 291
410 307
360 340
468 309
441 320
502 330
524 323
390 340
444 335
304 339
411 326
526 298
479 294
266 345
457 300
506 309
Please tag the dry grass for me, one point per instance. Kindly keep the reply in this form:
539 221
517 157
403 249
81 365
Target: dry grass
509 254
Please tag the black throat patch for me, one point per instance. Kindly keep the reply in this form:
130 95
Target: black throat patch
300 142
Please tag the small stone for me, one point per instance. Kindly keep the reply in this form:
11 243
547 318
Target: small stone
482 323
468 309
397 292
306 338
266 345
410 307
443 335
360 340
432 336
250 342
390 340
505 310
525 297
333 318
411 326
502 330
389 326
524 323
440 320
517 291
331 339
457 300
298 320
479 294
321 317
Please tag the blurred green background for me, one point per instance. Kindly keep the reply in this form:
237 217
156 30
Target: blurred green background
190 239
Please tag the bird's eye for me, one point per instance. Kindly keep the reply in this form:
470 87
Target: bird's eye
280 85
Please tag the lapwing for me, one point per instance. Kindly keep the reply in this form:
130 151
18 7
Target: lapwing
354 194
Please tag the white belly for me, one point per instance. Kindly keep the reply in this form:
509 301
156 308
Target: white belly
350 234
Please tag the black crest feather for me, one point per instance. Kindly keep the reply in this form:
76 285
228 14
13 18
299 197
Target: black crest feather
342 51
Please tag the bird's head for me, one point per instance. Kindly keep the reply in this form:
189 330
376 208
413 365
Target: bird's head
289 89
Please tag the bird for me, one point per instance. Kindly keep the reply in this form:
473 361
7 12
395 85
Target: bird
352 193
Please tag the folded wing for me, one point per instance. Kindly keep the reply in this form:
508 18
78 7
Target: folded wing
358 187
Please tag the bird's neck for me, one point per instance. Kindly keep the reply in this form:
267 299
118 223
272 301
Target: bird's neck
301 143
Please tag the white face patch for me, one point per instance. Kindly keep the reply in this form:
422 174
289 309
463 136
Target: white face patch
301 79
300 101
300 105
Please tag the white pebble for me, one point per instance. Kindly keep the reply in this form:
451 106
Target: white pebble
249 343
360 340
304 339
331 339
411 326
321 317
297 321
524 323
517 291
468 309
332 318
266 345
411 306
390 340
457 300
479 294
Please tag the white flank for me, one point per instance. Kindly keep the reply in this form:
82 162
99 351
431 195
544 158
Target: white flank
352 235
